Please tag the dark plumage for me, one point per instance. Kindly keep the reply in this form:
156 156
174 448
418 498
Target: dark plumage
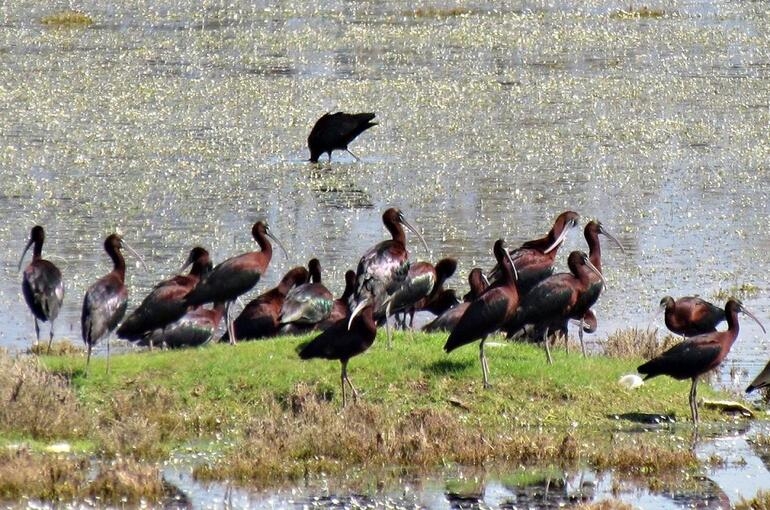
165 303
698 354
691 316
309 303
384 267
489 312
41 284
235 276
340 307
343 340
195 328
558 298
334 131
534 259
260 317
424 289
448 319
104 304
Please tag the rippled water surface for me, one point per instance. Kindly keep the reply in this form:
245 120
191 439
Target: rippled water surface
182 122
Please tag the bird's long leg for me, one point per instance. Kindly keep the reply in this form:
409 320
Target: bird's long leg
547 348
354 156
50 338
343 376
390 334
108 353
693 400
88 359
230 325
37 330
484 367
580 336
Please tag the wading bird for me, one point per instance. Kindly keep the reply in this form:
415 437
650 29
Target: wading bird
534 259
557 299
698 354
340 308
235 276
384 267
104 304
260 317
309 303
489 312
195 328
449 318
41 284
165 303
334 131
691 316
343 340
423 284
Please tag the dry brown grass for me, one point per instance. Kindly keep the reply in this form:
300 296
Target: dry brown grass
127 482
644 458
45 477
637 343
606 504
37 403
760 502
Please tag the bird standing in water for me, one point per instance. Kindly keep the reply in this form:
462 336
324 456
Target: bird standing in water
334 131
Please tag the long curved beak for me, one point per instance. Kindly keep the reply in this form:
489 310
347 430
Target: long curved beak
410 227
26 248
187 263
134 253
513 266
271 236
572 224
599 273
753 317
611 237
360 306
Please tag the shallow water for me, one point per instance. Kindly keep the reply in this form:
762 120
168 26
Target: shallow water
181 123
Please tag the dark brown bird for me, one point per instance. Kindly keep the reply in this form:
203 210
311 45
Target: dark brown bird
489 312
195 328
343 340
165 303
104 304
334 131
698 354
424 284
534 259
41 284
309 303
558 298
236 275
760 381
260 317
340 308
384 267
449 318
690 316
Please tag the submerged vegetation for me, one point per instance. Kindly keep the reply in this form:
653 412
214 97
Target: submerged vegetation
271 418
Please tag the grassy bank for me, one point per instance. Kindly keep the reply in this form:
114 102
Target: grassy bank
272 418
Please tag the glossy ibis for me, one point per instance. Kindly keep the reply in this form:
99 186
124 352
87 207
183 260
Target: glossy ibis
193 329
309 303
449 318
489 312
335 131
165 303
534 259
236 275
558 298
343 340
423 289
691 316
384 267
260 317
698 354
340 308
41 284
104 304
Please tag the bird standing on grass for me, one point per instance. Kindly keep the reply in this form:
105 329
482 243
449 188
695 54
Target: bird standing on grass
41 284
699 354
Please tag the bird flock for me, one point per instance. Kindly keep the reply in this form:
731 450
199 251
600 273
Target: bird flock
519 296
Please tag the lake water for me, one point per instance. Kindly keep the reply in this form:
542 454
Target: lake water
182 122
